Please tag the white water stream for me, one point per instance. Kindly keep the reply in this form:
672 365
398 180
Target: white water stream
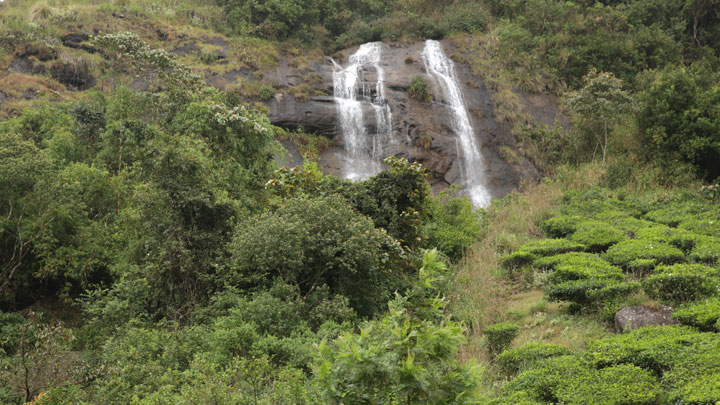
472 163
353 92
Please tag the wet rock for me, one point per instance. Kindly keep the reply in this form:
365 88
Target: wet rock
422 130
635 317
77 41
72 72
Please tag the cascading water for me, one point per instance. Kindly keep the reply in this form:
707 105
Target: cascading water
352 91
473 166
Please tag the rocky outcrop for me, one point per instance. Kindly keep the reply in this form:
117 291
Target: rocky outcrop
423 130
635 317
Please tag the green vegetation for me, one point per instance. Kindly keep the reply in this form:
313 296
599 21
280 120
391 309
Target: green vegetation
419 89
500 335
151 251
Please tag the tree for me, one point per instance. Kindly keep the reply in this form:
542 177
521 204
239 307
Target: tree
598 107
679 118
315 242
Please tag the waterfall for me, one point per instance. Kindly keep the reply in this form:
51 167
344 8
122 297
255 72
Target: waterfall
353 92
472 164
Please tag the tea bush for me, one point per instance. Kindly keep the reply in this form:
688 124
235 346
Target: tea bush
590 292
560 226
680 238
654 348
703 314
549 247
500 336
528 356
703 224
597 235
625 252
706 250
682 282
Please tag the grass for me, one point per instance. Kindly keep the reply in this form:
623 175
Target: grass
481 296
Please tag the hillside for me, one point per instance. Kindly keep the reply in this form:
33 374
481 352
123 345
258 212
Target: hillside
359 201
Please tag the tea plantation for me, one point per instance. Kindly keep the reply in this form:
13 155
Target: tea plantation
606 249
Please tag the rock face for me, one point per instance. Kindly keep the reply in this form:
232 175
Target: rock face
635 317
424 128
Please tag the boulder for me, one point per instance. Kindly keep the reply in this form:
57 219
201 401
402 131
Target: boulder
635 317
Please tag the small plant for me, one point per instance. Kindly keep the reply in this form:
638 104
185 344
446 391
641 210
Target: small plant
500 336
409 60
419 90
266 92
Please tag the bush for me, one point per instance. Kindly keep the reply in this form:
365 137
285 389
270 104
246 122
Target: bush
517 259
500 336
411 353
589 261
682 282
597 235
703 314
625 252
549 247
623 384
452 225
590 292
528 356
654 348
703 224
541 382
680 238
419 90
706 250
560 226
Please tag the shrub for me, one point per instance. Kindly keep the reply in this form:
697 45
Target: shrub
541 382
597 235
703 314
703 224
549 247
680 238
266 92
706 250
581 259
625 252
693 378
705 389
419 90
682 282
639 267
528 356
654 348
410 353
590 292
517 259
560 226
500 336
453 225
623 384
